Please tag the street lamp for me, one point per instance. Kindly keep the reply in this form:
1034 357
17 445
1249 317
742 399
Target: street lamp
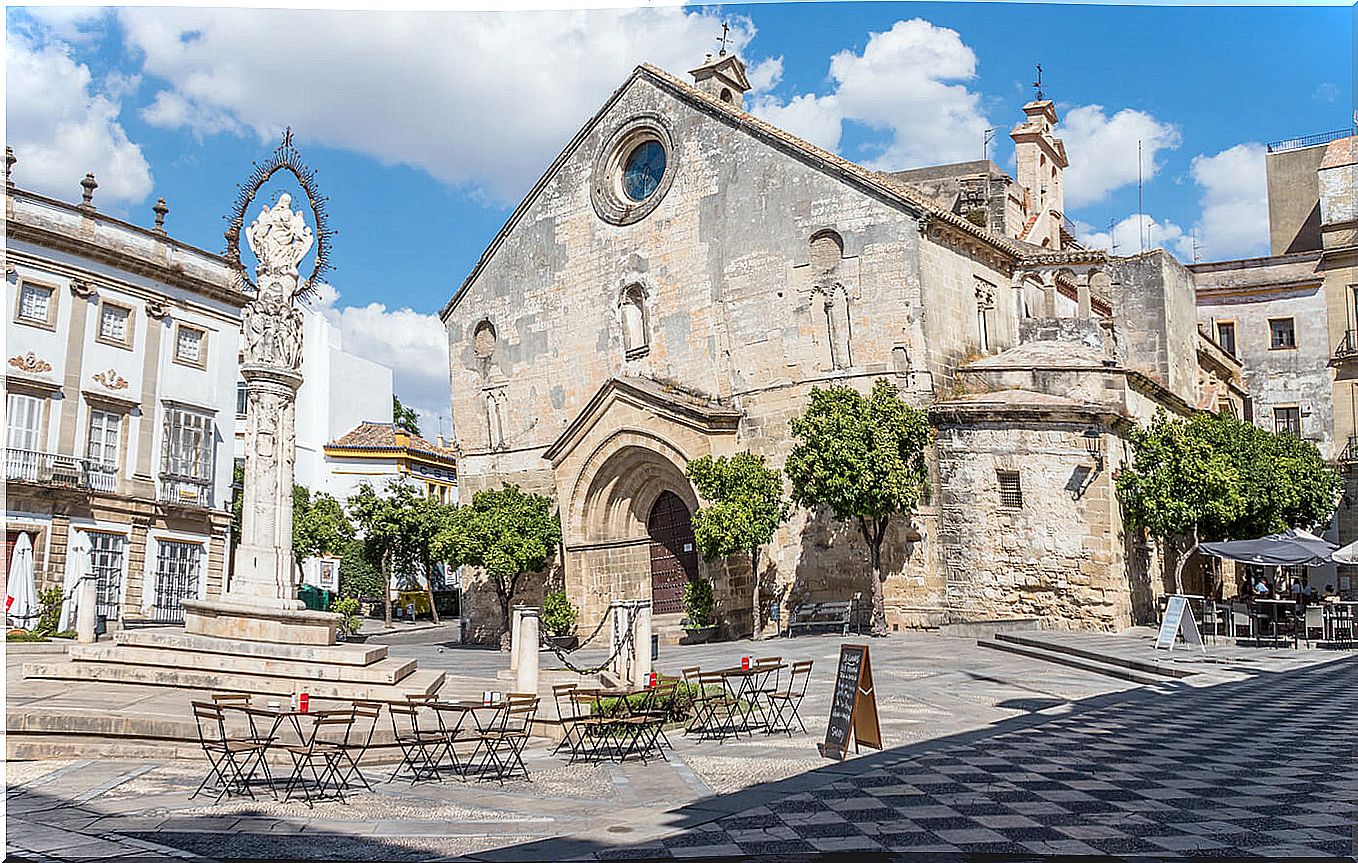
1093 439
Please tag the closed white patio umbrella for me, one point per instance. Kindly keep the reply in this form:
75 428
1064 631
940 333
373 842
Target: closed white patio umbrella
77 564
21 591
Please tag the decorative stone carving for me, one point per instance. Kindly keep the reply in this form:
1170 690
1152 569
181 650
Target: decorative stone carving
838 329
279 239
110 379
83 289
30 362
157 309
273 334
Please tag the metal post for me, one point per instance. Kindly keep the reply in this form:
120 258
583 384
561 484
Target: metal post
527 677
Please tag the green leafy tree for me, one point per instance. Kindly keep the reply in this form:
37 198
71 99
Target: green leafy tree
403 417
559 614
744 507
399 528
1212 477
862 458
319 525
506 532
359 574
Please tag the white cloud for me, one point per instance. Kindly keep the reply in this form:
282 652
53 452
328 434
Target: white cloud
413 345
904 83
1102 150
1127 237
765 74
477 99
62 123
1234 220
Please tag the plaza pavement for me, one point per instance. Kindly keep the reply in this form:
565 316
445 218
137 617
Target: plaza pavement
985 753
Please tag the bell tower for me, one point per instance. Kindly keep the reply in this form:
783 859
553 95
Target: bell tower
723 77
1040 158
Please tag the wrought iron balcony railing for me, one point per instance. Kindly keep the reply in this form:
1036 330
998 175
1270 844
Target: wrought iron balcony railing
182 490
1348 346
60 471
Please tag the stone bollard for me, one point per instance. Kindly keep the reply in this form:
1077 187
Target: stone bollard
641 641
527 672
617 626
85 610
515 614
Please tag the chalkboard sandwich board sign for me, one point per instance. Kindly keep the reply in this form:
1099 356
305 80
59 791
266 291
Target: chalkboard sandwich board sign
853 706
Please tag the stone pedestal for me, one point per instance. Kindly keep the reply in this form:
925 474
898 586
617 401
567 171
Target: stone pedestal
526 679
246 622
86 604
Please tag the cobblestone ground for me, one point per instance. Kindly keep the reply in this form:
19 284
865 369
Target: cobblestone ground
986 753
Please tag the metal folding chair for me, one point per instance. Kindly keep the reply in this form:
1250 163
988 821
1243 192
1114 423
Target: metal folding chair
366 714
323 756
786 704
422 750
233 760
505 739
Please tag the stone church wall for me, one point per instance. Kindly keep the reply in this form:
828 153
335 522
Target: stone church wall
1059 555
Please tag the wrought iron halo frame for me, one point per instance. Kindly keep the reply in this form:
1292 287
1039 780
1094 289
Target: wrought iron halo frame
284 158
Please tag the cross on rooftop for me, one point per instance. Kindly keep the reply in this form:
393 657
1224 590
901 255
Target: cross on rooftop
1037 85
725 30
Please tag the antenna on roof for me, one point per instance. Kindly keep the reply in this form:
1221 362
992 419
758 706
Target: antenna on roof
1037 85
985 145
1112 237
1140 210
1197 250
725 30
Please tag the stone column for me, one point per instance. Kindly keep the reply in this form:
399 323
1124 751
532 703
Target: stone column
85 609
515 615
641 640
526 679
617 622
265 571
1083 298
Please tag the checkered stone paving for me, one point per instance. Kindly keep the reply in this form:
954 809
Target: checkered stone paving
1263 767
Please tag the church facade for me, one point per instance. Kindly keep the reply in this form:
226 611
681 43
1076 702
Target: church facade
684 274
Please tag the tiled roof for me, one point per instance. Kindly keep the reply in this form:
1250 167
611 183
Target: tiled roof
383 436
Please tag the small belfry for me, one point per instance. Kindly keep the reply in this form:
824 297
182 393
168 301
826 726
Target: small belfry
723 76
1040 159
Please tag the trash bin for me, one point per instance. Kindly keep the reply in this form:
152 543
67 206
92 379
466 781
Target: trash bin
312 597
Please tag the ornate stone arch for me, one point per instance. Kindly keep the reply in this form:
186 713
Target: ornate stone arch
614 490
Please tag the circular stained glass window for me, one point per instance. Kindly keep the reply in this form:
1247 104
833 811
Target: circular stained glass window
642 171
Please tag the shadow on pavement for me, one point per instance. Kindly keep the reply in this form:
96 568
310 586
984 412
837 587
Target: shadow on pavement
1263 767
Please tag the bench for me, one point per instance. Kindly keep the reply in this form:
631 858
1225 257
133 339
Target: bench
821 614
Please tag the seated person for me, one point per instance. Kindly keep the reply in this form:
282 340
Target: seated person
1261 588
1330 595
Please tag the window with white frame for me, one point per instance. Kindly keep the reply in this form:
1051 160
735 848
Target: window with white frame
106 564
189 345
242 400
23 422
35 304
188 443
115 323
104 433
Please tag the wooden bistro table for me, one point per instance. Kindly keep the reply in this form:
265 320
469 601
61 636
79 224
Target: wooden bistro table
747 685
278 719
484 716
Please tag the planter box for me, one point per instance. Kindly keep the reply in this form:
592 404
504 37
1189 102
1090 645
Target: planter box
564 642
699 635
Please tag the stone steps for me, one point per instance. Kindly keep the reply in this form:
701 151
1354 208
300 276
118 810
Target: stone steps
174 638
383 671
1059 658
1146 666
417 682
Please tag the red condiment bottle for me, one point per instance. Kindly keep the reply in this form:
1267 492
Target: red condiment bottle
303 701
745 663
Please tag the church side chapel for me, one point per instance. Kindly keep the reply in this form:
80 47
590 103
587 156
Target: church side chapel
684 273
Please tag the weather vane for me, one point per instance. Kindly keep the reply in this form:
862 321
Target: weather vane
1037 85
725 29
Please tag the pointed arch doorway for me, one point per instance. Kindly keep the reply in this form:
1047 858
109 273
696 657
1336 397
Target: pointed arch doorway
674 555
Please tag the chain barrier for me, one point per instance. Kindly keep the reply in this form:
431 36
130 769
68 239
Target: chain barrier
543 642
617 650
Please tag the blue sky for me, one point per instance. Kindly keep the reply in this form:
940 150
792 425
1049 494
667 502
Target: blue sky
427 127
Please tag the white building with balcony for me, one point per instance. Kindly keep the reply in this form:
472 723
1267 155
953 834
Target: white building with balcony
121 356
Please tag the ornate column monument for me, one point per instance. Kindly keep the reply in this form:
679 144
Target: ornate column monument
260 601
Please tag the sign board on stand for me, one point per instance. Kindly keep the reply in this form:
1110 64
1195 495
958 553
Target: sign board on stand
1178 621
853 705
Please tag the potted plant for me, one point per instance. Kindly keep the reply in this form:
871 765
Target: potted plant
699 624
351 620
558 621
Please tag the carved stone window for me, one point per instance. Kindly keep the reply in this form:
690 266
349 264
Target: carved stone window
495 419
839 331
985 313
635 327
827 249
483 340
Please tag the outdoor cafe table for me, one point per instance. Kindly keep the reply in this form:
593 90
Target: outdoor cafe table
1275 608
603 737
277 718
483 715
746 686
